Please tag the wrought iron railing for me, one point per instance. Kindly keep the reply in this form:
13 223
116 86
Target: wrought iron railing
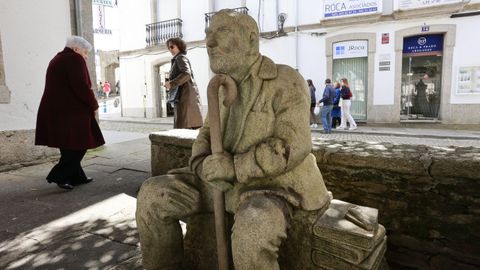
158 33
208 16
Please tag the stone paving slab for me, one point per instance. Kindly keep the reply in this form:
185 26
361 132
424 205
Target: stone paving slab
91 227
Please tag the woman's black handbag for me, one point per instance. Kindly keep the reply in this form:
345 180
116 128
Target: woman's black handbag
174 95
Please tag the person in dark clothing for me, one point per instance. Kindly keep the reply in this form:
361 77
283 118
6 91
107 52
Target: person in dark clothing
66 116
326 112
313 103
336 111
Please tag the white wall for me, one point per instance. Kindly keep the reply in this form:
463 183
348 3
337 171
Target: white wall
193 16
167 10
221 4
32 33
312 61
106 42
133 78
310 11
384 81
134 15
466 53
199 59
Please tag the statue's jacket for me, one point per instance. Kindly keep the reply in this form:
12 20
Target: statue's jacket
267 132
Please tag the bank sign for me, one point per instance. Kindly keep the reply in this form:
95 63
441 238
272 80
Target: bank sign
411 4
335 9
350 49
423 45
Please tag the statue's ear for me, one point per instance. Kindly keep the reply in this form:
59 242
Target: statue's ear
253 36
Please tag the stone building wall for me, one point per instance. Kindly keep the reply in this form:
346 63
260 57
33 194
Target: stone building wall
428 197
17 149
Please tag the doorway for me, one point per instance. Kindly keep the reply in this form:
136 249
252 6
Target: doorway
421 77
160 76
350 60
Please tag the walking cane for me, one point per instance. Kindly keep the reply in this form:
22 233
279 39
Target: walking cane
217 147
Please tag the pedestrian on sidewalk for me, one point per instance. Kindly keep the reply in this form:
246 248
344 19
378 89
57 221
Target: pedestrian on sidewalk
336 111
346 94
106 89
66 116
186 99
313 104
326 112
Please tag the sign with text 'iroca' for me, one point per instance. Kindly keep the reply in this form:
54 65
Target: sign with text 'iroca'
347 8
350 49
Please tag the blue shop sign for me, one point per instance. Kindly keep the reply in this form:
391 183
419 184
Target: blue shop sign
423 44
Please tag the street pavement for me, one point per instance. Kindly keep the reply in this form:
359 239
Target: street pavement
93 226
416 134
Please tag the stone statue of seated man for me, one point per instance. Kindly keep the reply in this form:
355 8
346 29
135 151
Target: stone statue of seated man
267 158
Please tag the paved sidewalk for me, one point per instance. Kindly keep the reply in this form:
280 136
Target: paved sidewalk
91 227
430 134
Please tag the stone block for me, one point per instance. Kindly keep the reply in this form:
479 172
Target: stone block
351 254
17 149
334 226
372 262
4 94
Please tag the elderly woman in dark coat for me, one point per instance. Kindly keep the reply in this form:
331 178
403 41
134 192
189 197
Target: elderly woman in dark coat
187 102
66 116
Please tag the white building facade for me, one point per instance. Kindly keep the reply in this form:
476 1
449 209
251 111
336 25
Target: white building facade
406 60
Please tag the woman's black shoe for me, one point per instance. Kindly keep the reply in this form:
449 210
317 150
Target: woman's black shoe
85 181
65 186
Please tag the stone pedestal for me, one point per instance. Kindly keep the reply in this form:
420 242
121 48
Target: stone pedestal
426 195
329 238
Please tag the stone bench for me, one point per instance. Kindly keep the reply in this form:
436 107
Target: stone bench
322 239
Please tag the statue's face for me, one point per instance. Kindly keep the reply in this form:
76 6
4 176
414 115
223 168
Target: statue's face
227 48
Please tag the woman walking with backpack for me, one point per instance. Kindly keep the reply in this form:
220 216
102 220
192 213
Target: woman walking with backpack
346 94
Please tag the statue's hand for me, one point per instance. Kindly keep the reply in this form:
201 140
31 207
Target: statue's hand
181 199
218 170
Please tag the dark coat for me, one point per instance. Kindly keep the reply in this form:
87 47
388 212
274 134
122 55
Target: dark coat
187 110
66 116
328 95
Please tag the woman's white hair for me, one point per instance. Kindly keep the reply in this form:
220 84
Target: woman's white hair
78 42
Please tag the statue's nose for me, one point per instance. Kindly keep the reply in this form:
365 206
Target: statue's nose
211 43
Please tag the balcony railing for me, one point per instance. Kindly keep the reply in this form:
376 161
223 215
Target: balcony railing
158 33
208 16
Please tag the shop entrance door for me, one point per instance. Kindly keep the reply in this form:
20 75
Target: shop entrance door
356 72
350 61
421 77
